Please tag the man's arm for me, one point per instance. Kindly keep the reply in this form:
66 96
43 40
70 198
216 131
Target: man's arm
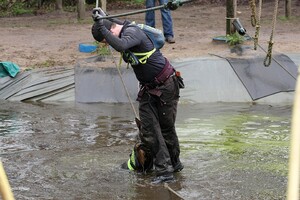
129 38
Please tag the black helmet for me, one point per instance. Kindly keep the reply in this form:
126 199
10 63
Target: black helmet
96 33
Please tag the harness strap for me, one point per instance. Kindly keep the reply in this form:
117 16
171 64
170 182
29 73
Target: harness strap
145 55
162 77
167 71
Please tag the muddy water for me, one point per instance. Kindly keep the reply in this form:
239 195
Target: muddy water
74 151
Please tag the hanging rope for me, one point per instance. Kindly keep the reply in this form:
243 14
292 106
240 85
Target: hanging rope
268 58
123 83
257 26
253 15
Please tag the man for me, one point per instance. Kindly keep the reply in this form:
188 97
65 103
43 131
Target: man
158 96
165 17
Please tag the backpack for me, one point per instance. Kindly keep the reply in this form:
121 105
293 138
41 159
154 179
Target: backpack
157 38
155 35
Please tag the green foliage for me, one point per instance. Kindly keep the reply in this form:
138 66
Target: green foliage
20 9
9 8
234 39
102 49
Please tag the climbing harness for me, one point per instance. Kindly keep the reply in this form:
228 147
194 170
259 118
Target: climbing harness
268 58
145 56
157 38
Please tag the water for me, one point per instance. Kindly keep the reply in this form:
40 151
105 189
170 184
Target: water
74 151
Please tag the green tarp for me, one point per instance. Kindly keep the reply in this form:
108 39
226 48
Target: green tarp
8 69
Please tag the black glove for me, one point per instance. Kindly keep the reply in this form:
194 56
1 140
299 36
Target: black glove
173 4
97 14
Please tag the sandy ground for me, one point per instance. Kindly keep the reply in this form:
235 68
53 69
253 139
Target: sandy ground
53 39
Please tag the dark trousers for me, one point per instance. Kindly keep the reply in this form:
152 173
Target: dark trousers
158 115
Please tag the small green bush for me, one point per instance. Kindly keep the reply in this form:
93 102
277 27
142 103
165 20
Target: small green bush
234 39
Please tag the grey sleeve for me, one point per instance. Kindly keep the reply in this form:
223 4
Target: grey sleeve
129 38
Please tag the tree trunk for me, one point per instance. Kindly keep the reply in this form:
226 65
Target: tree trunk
59 6
39 2
288 9
230 15
80 9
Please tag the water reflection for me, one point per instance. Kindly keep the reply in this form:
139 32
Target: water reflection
74 151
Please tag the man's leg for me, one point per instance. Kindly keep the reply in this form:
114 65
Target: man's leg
167 23
167 116
150 15
152 136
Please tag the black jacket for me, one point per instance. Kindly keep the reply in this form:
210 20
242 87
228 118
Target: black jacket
134 39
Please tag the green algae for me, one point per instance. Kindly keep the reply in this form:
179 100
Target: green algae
249 141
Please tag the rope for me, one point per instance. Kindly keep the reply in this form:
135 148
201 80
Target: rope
257 26
253 15
123 83
142 11
268 58
275 60
171 190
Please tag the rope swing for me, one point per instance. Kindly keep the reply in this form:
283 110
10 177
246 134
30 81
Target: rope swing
255 22
268 58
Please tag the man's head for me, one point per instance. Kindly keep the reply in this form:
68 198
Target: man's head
114 28
96 33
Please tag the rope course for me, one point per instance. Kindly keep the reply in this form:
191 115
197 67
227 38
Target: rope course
255 22
268 58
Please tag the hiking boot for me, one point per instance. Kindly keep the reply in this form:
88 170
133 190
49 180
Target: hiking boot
163 179
170 39
178 167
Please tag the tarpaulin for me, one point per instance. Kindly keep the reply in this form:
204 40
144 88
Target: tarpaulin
8 69
261 81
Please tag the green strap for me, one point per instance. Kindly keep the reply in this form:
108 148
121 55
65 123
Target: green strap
145 55
129 165
131 160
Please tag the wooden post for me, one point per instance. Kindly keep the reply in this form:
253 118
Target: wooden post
59 6
294 158
288 9
230 15
80 9
5 188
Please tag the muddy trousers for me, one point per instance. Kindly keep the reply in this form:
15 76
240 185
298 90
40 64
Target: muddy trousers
158 115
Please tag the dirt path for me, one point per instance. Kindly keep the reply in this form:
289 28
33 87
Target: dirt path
53 39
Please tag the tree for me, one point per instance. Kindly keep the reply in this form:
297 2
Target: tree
59 6
80 9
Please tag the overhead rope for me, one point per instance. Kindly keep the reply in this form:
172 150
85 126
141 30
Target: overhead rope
172 5
268 58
